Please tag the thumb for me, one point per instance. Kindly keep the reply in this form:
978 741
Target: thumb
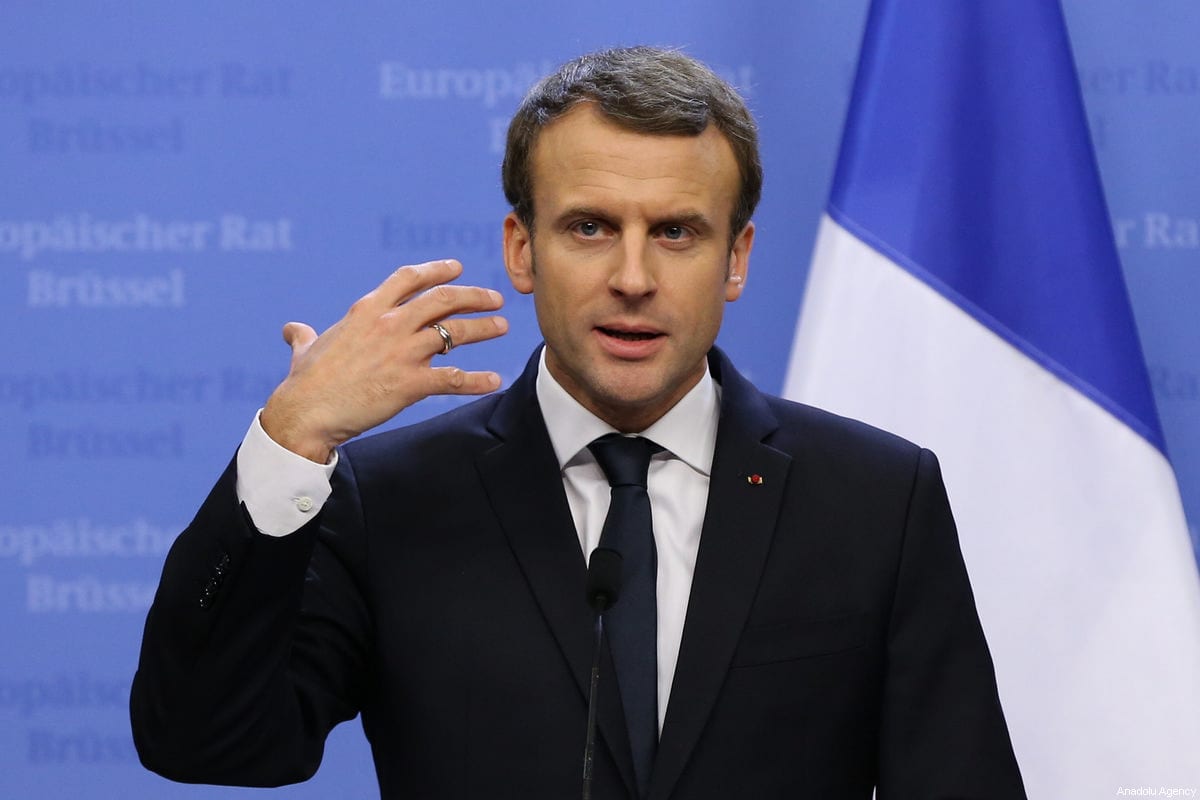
299 336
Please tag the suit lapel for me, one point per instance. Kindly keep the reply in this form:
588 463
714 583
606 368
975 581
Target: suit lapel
745 492
524 486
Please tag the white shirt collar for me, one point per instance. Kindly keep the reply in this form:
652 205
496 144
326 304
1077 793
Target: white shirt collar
688 430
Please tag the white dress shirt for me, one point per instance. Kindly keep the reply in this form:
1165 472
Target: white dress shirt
677 484
282 490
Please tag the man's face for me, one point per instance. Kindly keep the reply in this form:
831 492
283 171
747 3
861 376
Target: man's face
630 264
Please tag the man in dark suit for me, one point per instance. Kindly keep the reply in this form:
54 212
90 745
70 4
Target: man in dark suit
812 629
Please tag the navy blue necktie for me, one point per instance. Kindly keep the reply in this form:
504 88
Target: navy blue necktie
633 622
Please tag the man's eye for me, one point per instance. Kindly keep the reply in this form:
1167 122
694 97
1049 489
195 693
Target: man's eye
588 228
674 232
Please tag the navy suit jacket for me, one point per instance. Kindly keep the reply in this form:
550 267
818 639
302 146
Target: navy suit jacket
831 642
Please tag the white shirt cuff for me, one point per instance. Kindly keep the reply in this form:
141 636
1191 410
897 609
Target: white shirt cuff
282 490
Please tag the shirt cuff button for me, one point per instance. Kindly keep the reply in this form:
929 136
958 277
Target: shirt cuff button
304 504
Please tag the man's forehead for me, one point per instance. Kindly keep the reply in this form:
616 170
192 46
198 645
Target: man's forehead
590 115
585 154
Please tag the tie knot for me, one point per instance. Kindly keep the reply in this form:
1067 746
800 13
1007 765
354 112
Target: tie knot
624 459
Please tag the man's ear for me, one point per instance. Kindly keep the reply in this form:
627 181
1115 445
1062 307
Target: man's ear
739 263
518 253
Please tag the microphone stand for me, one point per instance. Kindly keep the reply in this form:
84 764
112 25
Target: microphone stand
589 750
603 583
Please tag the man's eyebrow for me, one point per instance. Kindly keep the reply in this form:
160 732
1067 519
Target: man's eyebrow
693 219
582 212
688 217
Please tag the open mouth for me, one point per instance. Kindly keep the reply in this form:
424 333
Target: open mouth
630 336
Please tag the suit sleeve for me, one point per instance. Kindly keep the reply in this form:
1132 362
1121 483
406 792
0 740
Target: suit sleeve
255 646
943 733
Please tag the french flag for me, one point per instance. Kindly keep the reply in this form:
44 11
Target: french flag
965 293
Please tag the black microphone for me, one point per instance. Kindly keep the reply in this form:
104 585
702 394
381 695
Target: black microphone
603 588
603 579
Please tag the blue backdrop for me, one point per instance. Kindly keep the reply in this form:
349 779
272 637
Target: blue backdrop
181 179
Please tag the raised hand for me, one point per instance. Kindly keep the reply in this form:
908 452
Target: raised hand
376 361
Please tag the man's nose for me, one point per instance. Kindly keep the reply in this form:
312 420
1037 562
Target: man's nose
633 274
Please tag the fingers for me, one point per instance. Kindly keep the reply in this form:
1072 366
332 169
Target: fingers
452 380
420 295
379 358
440 302
298 336
467 330
409 281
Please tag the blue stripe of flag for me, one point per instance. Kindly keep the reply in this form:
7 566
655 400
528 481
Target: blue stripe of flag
966 159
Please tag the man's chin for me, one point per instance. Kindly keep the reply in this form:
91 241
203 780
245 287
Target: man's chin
636 400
